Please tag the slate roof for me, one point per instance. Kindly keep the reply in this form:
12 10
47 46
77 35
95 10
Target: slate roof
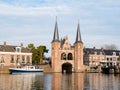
10 48
93 51
62 41
110 52
98 51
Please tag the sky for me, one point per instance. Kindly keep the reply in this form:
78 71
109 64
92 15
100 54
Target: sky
33 21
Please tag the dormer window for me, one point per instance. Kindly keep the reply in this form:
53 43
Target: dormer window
95 53
114 53
100 53
18 49
87 52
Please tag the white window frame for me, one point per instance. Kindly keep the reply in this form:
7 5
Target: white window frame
12 57
2 59
18 49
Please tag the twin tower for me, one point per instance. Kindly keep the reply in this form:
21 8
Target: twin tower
66 58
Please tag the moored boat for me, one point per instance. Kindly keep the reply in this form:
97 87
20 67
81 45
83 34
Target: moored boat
25 69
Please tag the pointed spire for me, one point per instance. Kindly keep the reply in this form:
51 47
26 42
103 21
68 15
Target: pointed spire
56 34
78 36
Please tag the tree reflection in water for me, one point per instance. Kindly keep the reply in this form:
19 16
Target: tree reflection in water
38 83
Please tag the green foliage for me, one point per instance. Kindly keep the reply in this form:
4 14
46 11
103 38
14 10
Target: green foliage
37 53
119 58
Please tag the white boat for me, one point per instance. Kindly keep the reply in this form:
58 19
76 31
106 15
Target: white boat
25 69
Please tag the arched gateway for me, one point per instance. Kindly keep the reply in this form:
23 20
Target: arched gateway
67 68
67 58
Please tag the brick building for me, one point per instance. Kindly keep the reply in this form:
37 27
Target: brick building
68 58
65 57
14 55
94 57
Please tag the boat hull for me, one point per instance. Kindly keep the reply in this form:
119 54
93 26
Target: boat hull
24 71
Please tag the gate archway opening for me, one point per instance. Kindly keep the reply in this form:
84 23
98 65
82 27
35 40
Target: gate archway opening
67 68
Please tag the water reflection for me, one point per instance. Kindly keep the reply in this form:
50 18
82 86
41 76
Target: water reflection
100 81
81 81
21 82
58 81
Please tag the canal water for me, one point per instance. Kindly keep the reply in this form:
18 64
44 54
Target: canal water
58 81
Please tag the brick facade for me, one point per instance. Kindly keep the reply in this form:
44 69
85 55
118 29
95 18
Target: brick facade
14 55
64 56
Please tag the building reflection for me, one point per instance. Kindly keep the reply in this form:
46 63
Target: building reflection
20 82
98 81
73 81
59 81
84 81
56 81
78 81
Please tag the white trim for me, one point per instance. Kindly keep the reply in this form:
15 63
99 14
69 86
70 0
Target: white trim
15 53
18 49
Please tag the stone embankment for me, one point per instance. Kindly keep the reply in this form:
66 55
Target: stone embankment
4 69
47 68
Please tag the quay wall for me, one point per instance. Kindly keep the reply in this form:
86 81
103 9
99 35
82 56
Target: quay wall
5 69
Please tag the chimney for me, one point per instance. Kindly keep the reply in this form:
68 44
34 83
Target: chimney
4 43
21 44
102 48
94 47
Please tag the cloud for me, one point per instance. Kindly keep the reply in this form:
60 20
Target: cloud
100 40
7 9
99 20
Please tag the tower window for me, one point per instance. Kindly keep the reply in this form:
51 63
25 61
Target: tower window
70 57
63 56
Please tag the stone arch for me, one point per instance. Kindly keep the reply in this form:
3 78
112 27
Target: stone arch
70 56
67 68
63 56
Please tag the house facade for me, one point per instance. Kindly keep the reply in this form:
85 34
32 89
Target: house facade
14 55
94 57
112 57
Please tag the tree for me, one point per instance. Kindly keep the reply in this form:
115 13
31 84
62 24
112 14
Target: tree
41 51
37 53
119 58
110 47
34 53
